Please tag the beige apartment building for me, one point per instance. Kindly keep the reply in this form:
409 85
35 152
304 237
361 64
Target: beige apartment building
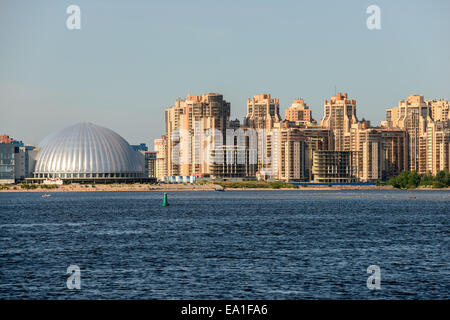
292 148
440 110
369 155
414 136
193 127
437 147
412 115
339 115
426 123
299 113
379 152
394 152
263 112
290 154
160 147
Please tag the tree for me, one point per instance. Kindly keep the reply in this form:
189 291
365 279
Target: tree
413 179
440 176
427 179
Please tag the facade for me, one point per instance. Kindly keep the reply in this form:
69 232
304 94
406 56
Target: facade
440 110
292 149
368 156
150 164
7 157
299 112
173 128
426 124
394 152
193 127
317 139
16 161
25 161
334 167
232 161
262 111
412 115
437 147
160 147
289 155
88 153
339 115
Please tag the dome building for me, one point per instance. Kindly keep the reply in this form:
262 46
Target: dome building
87 153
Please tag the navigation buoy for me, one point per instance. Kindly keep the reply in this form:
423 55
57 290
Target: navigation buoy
164 203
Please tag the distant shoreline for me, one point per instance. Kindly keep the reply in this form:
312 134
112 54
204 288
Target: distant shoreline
179 187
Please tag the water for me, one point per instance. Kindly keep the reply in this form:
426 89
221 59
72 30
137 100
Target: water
225 245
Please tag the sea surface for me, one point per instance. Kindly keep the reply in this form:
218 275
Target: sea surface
226 245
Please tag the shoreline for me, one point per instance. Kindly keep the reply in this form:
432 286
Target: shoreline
175 187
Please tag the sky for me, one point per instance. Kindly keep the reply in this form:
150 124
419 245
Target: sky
132 59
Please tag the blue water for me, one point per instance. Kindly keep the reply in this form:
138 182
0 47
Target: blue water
226 245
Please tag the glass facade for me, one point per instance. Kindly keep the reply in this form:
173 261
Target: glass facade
7 163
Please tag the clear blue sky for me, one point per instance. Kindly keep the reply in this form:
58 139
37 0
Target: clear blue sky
132 59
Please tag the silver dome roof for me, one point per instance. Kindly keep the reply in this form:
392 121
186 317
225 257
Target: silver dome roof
87 148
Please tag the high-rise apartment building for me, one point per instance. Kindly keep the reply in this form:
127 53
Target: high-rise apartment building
339 115
369 158
379 152
394 152
437 147
193 127
289 154
292 149
440 111
412 115
173 127
299 112
415 136
262 111
160 147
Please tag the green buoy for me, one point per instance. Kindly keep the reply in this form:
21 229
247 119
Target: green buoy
164 203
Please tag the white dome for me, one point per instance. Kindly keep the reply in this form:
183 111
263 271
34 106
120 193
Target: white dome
87 148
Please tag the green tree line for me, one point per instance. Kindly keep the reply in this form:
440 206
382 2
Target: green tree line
411 179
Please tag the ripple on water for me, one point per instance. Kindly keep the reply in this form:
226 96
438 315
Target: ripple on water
292 244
